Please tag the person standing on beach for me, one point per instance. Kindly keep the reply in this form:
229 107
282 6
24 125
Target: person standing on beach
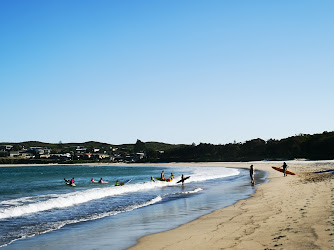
284 168
251 173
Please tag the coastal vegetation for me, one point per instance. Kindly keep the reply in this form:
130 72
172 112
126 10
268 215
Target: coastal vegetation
302 146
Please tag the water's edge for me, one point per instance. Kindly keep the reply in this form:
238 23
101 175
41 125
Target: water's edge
99 232
261 177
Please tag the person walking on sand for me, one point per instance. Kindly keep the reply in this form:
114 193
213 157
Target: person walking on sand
251 173
284 168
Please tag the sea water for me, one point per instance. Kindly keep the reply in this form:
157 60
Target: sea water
39 211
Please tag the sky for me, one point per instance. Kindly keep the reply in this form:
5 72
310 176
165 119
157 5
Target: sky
173 71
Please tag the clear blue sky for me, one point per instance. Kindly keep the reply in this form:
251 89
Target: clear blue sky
174 71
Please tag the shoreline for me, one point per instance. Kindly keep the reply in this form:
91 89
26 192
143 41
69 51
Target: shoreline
196 199
294 212
209 164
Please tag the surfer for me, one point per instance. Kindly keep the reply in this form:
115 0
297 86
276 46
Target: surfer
162 175
152 179
66 180
72 181
251 173
92 180
284 168
117 183
182 179
101 180
171 176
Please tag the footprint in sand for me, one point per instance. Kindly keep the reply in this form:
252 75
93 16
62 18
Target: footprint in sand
279 237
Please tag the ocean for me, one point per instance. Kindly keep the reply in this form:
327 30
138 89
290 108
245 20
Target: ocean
39 211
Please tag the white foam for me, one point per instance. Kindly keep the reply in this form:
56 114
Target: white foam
194 191
79 197
210 173
61 224
16 202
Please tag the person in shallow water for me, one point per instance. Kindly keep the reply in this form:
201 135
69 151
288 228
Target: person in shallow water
251 173
171 176
162 175
182 179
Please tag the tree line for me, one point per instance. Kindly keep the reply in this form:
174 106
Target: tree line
311 147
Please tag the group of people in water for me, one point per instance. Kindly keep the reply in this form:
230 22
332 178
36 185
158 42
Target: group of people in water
71 182
100 181
252 171
117 183
163 178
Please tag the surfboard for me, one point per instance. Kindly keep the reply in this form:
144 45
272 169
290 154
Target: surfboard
69 184
167 180
123 183
185 178
281 170
127 181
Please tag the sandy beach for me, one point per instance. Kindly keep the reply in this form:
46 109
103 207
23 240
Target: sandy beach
293 212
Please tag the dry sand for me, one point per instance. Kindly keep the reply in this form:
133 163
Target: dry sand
293 212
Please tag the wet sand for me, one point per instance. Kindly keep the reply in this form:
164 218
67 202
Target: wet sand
293 212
